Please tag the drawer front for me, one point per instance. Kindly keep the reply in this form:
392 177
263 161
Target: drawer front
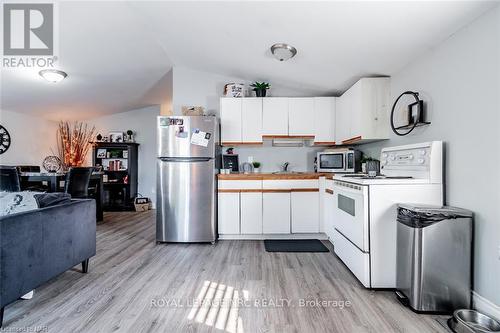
240 184
290 184
358 262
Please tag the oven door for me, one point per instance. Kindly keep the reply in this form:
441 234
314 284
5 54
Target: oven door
351 213
331 162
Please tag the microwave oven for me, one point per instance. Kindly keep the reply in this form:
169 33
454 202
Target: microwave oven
342 161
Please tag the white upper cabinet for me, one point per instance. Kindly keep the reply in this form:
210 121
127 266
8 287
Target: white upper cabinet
230 119
275 116
301 116
342 118
324 120
375 107
251 119
362 113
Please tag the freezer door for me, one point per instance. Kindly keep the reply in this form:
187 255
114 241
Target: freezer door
182 136
186 201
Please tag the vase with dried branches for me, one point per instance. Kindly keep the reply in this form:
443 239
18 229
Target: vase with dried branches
73 143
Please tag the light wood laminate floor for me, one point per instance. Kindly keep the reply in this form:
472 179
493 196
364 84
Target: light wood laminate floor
135 285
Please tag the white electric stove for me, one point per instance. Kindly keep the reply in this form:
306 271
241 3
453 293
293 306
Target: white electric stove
365 208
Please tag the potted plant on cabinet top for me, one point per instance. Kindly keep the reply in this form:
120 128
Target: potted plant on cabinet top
260 88
256 167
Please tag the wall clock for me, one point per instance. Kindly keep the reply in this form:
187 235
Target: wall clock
4 139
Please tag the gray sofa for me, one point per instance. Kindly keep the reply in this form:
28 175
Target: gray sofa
37 245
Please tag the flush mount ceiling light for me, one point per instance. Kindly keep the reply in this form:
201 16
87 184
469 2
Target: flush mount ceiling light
283 52
53 75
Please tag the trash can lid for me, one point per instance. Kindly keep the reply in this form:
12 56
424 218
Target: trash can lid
432 210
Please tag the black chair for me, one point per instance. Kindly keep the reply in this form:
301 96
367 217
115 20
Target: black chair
9 179
77 182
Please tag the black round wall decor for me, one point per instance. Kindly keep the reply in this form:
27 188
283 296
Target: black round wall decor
4 139
414 120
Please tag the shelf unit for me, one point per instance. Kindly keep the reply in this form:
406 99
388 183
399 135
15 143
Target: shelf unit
119 162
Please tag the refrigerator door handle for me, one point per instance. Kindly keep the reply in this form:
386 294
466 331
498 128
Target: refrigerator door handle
185 159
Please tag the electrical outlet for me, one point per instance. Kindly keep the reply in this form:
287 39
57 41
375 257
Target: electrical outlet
250 159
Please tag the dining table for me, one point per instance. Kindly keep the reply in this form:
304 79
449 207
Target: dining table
55 183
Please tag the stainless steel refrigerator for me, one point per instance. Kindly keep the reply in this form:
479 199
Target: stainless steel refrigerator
187 165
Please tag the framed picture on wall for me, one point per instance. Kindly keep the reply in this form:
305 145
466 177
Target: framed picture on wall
115 136
101 153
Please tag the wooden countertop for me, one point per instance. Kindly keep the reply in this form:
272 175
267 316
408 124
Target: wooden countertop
275 176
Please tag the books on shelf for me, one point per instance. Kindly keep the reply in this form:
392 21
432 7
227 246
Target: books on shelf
117 165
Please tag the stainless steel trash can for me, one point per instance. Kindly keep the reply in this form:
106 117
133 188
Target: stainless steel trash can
434 256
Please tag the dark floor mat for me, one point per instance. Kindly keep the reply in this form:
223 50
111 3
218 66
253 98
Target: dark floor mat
295 245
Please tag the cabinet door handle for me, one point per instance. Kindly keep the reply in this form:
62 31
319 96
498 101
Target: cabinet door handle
328 191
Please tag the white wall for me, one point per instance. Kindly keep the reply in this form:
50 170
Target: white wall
460 81
168 92
197 88
143 123
33 138
271 158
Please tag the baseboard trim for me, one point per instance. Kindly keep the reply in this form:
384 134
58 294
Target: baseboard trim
320 236
485 306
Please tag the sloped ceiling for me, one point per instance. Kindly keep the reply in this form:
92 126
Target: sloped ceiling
117 53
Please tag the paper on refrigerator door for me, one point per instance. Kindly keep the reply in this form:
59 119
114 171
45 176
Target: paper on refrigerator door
200 138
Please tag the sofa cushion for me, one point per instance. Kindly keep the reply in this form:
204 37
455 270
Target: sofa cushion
52 199
16 202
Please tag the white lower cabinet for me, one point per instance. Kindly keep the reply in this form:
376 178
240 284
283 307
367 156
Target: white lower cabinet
276 212
229 213
269 207
251 213
305 212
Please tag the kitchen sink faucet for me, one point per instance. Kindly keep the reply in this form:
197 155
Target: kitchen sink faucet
284 167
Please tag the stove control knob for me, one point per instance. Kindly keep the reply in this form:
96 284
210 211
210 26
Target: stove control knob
410 157
392 158
384 155
422 152
421 161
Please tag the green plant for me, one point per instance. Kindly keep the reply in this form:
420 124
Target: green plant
256 165
367 159
260 85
